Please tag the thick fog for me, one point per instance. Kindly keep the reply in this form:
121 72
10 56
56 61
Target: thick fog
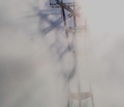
30 72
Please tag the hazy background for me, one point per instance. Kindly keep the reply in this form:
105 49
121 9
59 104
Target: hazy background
29 71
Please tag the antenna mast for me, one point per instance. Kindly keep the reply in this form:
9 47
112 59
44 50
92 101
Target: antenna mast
73 9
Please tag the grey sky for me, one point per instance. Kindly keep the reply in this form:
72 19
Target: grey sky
29 72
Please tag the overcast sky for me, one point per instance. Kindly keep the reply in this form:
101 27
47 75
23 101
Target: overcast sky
104 16
29 74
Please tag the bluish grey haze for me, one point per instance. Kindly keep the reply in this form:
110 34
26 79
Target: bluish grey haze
30 74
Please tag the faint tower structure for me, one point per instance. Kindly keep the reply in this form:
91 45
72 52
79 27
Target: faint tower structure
70 12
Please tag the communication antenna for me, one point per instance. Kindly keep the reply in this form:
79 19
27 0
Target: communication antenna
72 8
69 10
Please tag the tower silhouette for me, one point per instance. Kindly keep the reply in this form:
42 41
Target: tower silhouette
68 10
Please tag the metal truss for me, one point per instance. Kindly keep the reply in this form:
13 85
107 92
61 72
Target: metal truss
73 9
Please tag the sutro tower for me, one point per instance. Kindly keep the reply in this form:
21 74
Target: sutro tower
70 10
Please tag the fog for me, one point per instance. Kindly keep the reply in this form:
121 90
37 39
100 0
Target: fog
30 72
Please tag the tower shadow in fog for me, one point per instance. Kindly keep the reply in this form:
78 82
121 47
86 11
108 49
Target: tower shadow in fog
61 49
